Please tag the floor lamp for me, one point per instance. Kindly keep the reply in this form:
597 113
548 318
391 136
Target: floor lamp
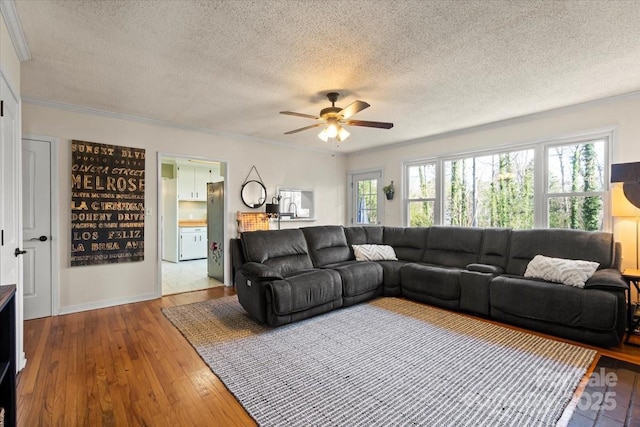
621 207
626 196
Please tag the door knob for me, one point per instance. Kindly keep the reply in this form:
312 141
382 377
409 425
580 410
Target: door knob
19 252
41 238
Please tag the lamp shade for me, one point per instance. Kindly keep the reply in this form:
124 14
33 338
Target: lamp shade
620 205
625 172
272 208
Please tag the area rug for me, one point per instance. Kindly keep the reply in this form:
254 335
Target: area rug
387 362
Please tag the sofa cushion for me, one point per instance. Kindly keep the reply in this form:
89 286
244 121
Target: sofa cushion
327 244
360 235
374 253
283 250
566 271
407 242
305 290
391 273
360 277
453 246
440 282
495 246
594 246
552 302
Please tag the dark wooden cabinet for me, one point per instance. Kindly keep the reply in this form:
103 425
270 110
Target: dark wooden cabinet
8 354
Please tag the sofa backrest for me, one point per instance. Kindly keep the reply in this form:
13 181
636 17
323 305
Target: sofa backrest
453 246
408 242
495 246
597 246
327 245
284 250
360 235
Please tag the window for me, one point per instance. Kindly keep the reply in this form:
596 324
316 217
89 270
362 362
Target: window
493 190
555 184
421 194
576 185
365 198
296 204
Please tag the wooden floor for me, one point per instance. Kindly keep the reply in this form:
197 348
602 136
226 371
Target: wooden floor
128 366
121 366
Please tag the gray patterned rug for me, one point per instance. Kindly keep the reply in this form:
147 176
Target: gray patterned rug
388 362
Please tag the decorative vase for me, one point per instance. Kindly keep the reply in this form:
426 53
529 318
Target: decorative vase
389 195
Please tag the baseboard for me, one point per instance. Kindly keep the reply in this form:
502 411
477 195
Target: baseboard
106 304
22 362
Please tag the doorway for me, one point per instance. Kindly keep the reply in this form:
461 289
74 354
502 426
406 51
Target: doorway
192 223
39 226
365 206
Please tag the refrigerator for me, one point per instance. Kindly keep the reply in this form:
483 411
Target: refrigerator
215 230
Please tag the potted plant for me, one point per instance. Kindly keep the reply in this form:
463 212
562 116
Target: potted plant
388 191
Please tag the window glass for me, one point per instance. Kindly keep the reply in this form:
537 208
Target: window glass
494 190
367 201
575 185
421 194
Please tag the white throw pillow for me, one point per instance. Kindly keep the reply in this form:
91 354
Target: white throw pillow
567 271
374 252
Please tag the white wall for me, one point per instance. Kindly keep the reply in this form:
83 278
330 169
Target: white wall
103 285
622 112
9 62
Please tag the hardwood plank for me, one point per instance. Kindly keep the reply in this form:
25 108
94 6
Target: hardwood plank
128 366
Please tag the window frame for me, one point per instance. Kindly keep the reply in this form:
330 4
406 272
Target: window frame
405 193
546 195
486 153
541 194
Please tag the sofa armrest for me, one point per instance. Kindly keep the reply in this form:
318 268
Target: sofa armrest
485 268
608 279
259 271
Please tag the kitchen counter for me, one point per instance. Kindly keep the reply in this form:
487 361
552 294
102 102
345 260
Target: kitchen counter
192 223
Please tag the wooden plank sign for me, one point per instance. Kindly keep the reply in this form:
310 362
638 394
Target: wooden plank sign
107 203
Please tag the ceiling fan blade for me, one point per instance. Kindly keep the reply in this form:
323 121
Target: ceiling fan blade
304 128
381 125
307 116
351 109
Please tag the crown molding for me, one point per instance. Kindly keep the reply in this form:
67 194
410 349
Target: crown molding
500 123
8 10
139 119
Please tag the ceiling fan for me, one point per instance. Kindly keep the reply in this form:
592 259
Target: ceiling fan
334 117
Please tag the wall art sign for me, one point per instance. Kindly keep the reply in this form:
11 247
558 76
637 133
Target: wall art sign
107 203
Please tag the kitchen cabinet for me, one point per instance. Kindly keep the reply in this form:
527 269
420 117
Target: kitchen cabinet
193 243
192 182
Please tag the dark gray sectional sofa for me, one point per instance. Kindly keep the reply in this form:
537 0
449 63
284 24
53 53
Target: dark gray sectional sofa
289 275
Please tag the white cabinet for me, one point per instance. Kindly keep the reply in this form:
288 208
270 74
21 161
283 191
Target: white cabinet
192 182
193 243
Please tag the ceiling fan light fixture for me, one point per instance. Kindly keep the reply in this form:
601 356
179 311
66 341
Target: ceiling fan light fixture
332 128
332 118
323 135
343 134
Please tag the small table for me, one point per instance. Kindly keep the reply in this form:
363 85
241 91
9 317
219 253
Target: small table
632 277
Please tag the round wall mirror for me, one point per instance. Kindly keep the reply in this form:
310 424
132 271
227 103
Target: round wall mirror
253 194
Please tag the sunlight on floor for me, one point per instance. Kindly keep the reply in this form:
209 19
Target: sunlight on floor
186 276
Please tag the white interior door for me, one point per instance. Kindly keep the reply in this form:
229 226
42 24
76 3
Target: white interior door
9 188
36 228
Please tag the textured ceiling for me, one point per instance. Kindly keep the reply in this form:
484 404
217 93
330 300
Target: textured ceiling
427 66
